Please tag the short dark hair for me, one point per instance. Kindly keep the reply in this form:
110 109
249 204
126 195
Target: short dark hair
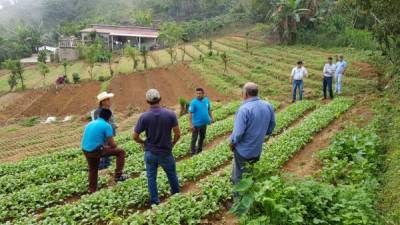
299 62
200 89
154 102
105 114
330 58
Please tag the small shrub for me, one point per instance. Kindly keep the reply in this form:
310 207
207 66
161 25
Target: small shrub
101 78
30 122
76 78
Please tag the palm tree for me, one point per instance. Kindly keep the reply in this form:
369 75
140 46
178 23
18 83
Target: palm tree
287 14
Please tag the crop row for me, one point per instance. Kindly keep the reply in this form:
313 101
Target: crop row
194 206
104 199
59 170
18 204
68 154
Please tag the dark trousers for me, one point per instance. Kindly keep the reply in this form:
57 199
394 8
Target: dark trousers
167 162
327 83
93 159
297 84
198 133
239 166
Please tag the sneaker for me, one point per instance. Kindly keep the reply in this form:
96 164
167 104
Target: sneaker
121 178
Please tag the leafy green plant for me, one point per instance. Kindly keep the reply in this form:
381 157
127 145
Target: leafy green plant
30 122
76 78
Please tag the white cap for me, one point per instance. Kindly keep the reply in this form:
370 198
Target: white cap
104 95
152 95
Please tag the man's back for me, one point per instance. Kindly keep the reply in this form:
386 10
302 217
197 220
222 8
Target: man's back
96 133
157 123
254 120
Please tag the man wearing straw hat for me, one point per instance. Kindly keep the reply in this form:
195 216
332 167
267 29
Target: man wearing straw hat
104 101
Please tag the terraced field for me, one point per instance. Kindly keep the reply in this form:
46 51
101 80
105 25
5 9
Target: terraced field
52 188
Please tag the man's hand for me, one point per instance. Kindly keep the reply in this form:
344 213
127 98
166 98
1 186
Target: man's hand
192 128
232 146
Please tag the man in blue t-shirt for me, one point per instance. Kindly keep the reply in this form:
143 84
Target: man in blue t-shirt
199 117
158 123
97 142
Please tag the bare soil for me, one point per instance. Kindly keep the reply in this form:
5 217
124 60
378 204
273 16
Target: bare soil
366 70
172 82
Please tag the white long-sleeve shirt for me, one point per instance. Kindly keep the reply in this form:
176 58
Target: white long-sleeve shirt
299 73
329 70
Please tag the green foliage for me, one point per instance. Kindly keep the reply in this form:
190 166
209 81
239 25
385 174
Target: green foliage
16 69
144 52
42 56
171 34
44 69
91 54
12 81
225 60
133 53
352 158
76 78
143 18
29 122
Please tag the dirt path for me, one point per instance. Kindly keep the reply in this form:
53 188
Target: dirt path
304 163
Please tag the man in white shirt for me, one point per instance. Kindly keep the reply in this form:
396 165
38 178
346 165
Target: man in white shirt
296 78
329 72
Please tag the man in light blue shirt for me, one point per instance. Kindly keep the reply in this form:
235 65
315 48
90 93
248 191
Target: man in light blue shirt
341 66
254 120
199 117
97 142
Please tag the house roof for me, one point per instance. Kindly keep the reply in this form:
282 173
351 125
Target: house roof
129 31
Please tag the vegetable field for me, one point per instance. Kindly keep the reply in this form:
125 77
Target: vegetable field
51 188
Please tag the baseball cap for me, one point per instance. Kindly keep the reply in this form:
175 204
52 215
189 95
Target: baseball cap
152 95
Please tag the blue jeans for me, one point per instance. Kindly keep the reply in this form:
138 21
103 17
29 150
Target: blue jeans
297 84
167 162
338 83
239 166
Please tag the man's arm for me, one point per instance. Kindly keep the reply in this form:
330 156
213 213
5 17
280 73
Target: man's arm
111 142
137 139
190 121
305 72
177 134
211 116
239 127
272 124
291 76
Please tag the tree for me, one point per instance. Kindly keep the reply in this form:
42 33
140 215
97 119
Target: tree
143 18
210 47
65 65
44 69
133 53
183 49
144 52
171 34
225 60
386 14
42 56
247 40
91 54
16 70
109 55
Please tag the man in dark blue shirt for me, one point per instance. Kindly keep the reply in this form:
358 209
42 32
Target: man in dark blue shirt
98 142
157 124
199 117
